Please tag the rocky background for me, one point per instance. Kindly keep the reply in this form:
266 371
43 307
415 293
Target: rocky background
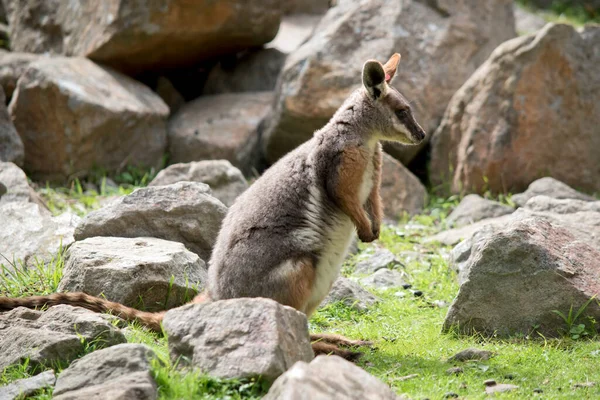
198 98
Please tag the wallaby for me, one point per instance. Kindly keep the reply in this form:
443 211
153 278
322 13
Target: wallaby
286 237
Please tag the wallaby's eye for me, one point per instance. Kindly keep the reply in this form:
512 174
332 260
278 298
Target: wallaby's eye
401 114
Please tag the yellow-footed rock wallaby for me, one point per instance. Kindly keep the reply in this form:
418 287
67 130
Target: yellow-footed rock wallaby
286 237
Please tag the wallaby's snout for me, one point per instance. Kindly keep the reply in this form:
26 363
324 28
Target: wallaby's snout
395 115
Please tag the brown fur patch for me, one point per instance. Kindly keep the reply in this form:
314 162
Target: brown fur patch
374 204
300 284
350 175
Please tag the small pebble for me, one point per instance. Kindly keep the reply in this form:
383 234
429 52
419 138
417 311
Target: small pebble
489 382
417 293
500 388
472 354
406 286
538 390
451 395
454 371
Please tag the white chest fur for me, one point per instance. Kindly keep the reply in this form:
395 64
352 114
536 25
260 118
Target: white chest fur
336 242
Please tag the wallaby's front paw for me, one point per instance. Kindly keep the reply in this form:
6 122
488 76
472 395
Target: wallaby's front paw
367 236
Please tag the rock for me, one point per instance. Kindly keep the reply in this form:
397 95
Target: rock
454 371
238 338
11 145
550 187
441 46
401 191
350 293
217 127
451 237
450 395
118 372
17 186
561 206
473 208
471 354
12 66
329 377
581 218
58 335
382 258
184 212
225 181
255 71
134 38
24 388
527 21
491 133
28 232
170 95
500 388
384 279
489 382
99 118
515 267
294 31
147 273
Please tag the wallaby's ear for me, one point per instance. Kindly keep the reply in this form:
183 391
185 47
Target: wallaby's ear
373 78
391 66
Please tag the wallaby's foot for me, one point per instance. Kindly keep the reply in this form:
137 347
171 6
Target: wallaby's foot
322 348
326 343
338 340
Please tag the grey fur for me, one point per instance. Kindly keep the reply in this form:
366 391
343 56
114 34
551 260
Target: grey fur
292 213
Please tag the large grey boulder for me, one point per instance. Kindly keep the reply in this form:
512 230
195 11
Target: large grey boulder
18 189
147 273
473 208
28 232
401 191
238 338
226 181
100 118
329 377
350 294
118 372
184 212
28 386
517 276
137 35
490 137
58 335
442 43
218 127
549 187
11 145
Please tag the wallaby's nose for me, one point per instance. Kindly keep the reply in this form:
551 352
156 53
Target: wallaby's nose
420 135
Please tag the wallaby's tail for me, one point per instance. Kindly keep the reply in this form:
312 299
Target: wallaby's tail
150 320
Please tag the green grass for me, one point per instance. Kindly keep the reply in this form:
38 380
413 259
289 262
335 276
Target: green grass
411 354
565 12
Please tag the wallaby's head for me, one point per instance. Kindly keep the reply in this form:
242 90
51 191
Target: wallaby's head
394 117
